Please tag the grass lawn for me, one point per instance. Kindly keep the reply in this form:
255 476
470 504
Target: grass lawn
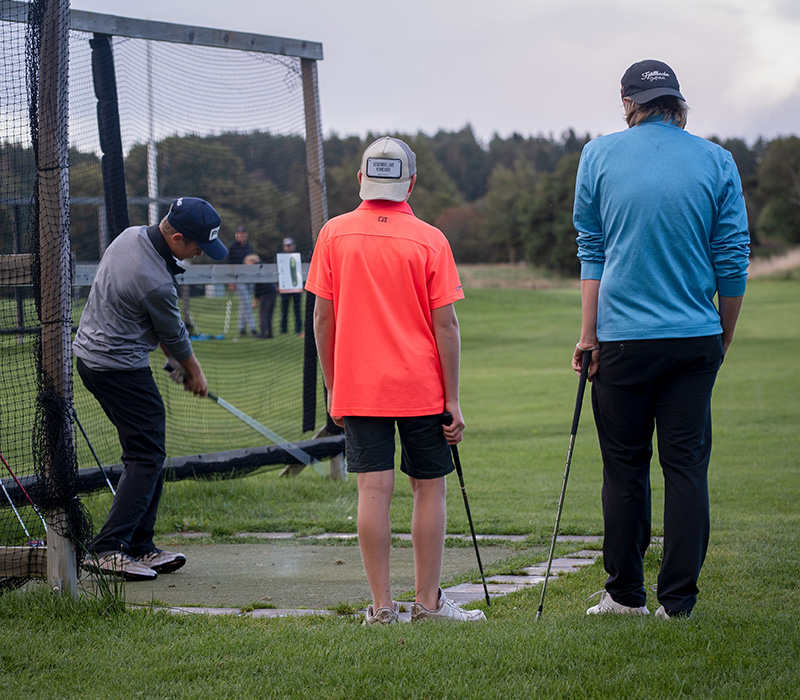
518 393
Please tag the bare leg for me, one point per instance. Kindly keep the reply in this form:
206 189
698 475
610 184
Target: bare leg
428 524
375 532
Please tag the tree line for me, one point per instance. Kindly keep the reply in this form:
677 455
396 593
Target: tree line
506 201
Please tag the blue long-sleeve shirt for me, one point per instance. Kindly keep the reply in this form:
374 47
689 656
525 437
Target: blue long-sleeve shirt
662 224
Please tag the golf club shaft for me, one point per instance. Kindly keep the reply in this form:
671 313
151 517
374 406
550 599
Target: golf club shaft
585 361
14 508
299 454
94 454
22 488
459 471
447 419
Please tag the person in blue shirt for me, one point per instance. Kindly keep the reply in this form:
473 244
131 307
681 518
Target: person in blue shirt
662 231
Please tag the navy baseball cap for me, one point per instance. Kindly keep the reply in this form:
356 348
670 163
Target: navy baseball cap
198 220
646 80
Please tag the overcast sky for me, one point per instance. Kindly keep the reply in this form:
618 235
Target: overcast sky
526 66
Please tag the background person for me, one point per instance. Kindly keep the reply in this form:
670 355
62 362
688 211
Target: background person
389 347
662 229
264 297
236 256
131 310
292 297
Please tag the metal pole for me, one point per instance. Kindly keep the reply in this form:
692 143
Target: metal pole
152 169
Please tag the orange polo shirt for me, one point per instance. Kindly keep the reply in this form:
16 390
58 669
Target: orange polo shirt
384 270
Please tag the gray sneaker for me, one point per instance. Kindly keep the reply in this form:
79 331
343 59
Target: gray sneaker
118 564
447 610
162 561
608 605
382 616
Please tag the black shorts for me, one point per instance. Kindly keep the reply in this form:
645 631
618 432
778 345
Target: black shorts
371 445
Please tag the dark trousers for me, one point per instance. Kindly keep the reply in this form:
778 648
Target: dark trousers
664 385
295 299
266 308
132 403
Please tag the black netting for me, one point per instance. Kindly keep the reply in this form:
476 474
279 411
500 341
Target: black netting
36 441
227 126
147 121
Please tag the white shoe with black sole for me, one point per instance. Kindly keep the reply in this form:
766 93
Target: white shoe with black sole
162 561
118 564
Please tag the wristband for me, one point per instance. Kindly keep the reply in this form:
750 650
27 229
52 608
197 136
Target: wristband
578 347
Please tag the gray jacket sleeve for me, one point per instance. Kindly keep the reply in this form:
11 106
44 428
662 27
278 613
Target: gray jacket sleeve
161 306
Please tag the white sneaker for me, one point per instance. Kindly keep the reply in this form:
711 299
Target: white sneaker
447 610
608 605
662 613
162 561
118 564
382 616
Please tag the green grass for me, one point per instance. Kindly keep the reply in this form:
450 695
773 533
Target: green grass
518 394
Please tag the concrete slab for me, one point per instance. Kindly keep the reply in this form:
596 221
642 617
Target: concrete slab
517 580
592 554
286 574
266 612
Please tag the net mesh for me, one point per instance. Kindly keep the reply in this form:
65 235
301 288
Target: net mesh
227 126
35 377
148 121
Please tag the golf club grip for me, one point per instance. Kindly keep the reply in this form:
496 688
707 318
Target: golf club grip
586 360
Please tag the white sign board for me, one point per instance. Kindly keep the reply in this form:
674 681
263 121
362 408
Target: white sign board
290 272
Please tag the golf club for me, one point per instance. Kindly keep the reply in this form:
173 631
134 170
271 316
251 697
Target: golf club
447 419
176 374
16 512
296 452
22 488
585 361
94 454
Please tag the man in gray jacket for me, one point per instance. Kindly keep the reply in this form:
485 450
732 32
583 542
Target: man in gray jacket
131 310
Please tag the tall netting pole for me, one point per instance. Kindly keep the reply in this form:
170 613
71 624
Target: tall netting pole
54 419
318 204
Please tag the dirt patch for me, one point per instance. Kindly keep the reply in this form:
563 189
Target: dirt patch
511 276
763 267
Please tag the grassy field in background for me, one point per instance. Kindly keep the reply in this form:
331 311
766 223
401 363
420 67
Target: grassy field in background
518 395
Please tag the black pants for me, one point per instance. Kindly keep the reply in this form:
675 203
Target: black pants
294 299
664 385
266 307
132 403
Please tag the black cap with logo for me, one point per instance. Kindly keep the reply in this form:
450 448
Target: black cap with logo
646 80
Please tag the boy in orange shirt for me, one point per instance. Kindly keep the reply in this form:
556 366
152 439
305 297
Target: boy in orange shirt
389 346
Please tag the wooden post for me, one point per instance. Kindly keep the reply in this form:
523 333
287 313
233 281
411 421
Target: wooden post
315 160
318 198
54 253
